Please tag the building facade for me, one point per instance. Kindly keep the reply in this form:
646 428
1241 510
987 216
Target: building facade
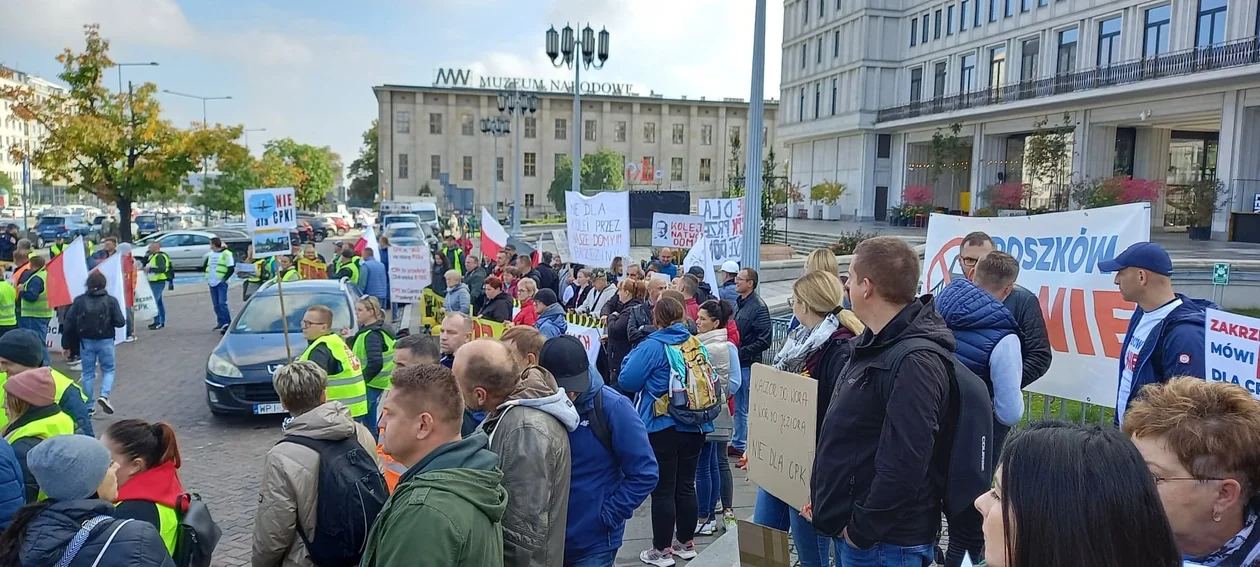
954 95
15 132
426 133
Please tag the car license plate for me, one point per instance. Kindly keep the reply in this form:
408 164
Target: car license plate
261 409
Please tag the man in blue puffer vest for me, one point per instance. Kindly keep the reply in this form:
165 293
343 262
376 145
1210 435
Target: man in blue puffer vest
1165 336
988 344
611 476
12 487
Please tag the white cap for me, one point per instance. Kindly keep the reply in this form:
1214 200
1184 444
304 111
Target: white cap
730 267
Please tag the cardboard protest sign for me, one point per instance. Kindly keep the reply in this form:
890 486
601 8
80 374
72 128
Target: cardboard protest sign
782 430
724 227
410 271
760 546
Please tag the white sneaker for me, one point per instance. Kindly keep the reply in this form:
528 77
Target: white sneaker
684 550
706 528
657 558
76 365
131 339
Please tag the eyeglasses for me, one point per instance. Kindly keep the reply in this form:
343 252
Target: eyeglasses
792 301
308 324
1163 479
969 262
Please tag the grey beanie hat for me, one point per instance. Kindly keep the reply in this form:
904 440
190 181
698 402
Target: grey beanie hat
69 467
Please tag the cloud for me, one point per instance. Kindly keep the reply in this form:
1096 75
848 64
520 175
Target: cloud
57 23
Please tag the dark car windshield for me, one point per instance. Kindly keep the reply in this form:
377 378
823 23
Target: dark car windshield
262 313
52 220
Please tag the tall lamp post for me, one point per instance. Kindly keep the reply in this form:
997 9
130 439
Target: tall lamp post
497 126
205 125
121 65
246 132
565 50
751 254
517 103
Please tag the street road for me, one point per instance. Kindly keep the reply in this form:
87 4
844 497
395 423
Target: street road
161 378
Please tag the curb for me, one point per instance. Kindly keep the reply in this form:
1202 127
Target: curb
721 552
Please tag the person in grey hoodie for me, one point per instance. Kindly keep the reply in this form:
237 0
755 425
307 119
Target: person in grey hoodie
529 420
458 298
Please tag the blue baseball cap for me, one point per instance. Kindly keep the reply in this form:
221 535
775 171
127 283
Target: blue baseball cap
1148 256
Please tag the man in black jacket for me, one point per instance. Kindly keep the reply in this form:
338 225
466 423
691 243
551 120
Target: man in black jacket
1023 304
886 438
94 317
547 277
476 279
752 319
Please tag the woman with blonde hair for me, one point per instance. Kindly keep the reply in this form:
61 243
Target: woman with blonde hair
525 292
822 260
817 303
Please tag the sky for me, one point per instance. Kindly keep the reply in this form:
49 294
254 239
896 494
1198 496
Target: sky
305 68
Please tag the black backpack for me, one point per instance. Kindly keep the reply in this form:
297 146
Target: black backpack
972 453
351 494
599 423
198 534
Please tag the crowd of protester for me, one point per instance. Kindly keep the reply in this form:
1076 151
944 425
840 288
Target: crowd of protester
523 450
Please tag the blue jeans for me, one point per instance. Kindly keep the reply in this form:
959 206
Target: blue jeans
884 555
817 555
158 288
772 512
374 408
218 296
740 439
93 351
40 326
713 480
601 559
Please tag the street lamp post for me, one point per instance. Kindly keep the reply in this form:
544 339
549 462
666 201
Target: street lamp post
517 103
496 127
565 50
205 125
121 65
752 174
246 132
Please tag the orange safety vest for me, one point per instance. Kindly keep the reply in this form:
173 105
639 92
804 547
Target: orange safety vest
393 469
19 272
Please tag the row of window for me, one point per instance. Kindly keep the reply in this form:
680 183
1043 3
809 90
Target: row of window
402 125
530 168
807 6
929 26
1210 30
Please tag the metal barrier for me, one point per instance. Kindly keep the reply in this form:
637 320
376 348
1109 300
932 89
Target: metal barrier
1036 406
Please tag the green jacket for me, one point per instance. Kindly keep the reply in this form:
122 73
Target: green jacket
453 500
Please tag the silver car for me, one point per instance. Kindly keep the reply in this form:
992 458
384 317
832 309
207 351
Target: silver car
189 248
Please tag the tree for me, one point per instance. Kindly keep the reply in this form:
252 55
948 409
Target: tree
365 171
735 181
827 192
6 184
115 146
602 170
315 168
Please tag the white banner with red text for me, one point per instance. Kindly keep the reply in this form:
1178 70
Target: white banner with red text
1086 317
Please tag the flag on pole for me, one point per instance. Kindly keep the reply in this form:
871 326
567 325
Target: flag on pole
67 274
115 285
368 240
493 237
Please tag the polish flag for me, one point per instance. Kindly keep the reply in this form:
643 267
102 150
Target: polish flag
67 274
368 240
115 285
493 237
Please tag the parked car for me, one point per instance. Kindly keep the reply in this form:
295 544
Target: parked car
188 248
146 224
340 224
321 227
65 226
239 370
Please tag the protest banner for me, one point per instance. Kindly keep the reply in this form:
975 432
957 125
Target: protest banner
598 227
782 429
561 240
583 327
410 271
678 231
724 227
1086 317
273 208
1231 344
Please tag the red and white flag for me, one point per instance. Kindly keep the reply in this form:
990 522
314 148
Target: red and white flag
67 274
368 240
493 237
115 285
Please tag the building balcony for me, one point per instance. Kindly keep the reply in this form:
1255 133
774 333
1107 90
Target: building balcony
1227 55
